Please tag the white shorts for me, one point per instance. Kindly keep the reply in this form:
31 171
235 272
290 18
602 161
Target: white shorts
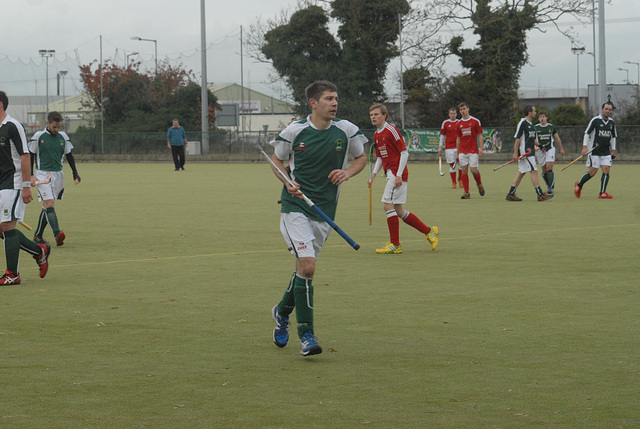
393 194
527 164
53 190
450 155
598 161
470 159
304 237
543 157
11 205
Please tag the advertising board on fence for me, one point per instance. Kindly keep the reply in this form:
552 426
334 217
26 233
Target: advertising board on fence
427 141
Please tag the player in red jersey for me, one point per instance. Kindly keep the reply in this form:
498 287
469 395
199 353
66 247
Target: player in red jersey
469 147
392 156
448 139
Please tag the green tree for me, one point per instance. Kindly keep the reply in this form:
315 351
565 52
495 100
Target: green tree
141 102
304 50
492 66
568 115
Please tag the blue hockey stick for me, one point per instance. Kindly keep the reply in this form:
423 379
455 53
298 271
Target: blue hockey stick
310 203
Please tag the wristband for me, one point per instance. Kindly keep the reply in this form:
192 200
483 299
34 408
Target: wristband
26 184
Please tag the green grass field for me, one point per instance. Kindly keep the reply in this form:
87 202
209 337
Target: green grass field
156 311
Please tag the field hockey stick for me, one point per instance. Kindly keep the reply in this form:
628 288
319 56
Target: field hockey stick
513 160
577 159
370 187
43 181
25 225
310 203
440 164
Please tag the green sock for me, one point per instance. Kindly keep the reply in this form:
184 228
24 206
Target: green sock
28 245
42 223
12 250
551 178
52 218
539 191
545 178
303 292
288 302
604 181
512 190
584 179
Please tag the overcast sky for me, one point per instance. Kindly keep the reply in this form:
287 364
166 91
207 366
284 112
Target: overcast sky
73 28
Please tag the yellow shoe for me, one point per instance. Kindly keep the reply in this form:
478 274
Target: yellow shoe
433 237
390 248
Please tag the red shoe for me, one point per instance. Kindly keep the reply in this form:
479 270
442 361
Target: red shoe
605 196
42 258
60 238
577 189
9 279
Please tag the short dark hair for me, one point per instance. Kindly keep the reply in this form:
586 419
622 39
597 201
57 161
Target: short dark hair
452 109
316 89
607 102
54 117
528 108
4 100
463 103
542 112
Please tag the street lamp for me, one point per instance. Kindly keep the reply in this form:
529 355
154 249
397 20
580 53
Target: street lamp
46 54
131 55
637 65
63 73
578 52
155 42
627 70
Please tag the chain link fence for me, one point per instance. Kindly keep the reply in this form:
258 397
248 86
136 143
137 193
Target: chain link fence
239 146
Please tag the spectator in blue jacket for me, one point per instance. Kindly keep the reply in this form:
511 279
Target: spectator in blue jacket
177 142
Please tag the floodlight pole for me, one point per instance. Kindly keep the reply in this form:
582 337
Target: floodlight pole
63 73
204 94
578 52
46 54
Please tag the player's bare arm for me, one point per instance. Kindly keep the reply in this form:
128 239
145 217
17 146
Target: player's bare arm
339 176
25 164
515 149
295 190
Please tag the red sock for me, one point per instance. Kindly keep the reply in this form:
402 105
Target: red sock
452 174
477 177
465 182
394 228
412 220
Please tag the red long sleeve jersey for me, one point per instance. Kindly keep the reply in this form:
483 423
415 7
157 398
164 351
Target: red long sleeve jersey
389 145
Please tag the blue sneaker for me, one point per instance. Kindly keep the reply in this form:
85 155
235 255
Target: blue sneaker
309 345
281 331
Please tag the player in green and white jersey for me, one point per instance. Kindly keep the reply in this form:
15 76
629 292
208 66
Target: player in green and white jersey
600 139
317 150
525 144
15 193
548 138
49 147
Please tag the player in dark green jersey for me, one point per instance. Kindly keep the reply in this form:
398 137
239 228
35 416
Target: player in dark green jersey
49 147
526 142
317 150
600 139
548 138
15 193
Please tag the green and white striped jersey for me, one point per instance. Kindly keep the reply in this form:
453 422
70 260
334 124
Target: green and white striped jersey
13 144
312 155
50 149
